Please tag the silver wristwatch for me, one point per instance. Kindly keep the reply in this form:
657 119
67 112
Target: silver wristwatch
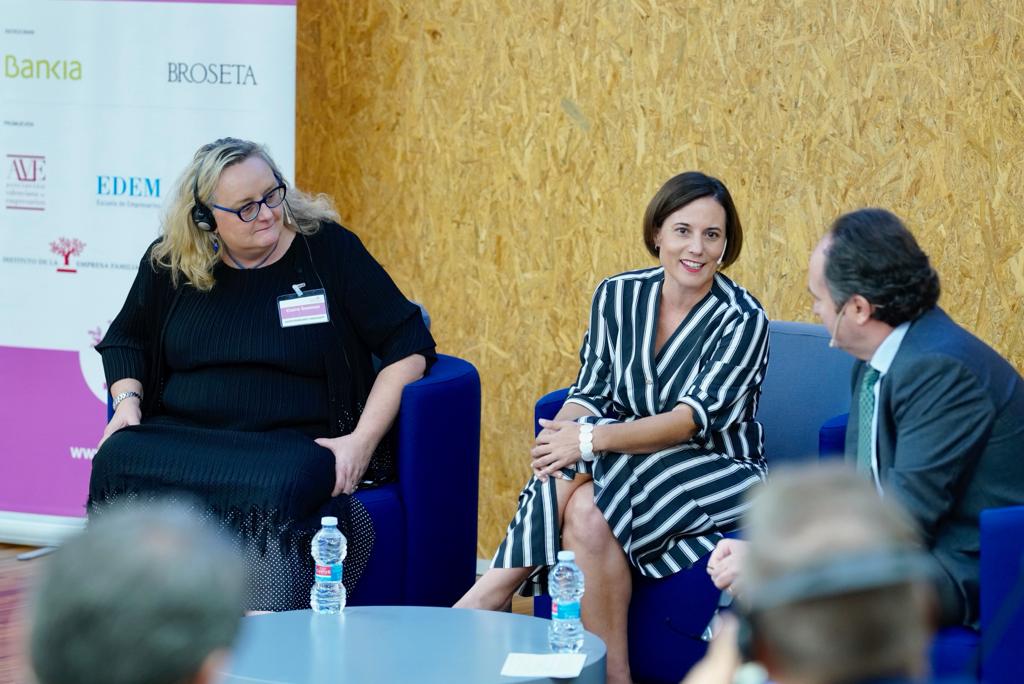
124 395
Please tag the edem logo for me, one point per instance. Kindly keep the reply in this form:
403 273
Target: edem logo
133 186
42 69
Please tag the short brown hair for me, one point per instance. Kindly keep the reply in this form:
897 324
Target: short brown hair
679 191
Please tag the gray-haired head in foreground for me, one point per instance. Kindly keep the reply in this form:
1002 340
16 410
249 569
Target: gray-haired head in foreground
874 255
143 596
842 583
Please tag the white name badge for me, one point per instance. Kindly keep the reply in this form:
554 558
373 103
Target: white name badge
307 308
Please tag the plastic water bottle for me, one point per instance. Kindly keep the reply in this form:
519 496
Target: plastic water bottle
565 585
329 549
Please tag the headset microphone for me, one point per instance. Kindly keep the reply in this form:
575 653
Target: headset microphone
835 327
201 214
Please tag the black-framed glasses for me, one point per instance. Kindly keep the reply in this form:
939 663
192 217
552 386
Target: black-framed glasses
248 212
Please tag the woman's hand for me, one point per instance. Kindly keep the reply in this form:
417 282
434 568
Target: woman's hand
351 458
128 412
557 446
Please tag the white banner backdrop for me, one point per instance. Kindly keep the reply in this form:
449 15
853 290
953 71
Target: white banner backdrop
103 105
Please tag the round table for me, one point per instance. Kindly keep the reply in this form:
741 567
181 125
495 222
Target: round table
383 644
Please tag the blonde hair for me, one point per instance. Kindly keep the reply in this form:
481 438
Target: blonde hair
188 251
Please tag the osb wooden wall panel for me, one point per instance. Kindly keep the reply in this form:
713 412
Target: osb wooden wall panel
497 157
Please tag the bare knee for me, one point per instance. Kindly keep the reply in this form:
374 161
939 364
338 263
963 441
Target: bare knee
585 527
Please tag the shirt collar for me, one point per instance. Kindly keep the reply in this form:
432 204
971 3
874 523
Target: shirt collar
886 352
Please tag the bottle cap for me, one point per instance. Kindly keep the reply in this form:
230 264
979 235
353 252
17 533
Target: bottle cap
566 555
329 521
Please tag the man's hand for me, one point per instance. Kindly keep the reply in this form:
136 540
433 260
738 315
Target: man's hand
719 664
724 564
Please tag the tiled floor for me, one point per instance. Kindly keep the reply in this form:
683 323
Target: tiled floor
522 606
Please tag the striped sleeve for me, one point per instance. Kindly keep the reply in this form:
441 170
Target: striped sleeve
593 386
733 372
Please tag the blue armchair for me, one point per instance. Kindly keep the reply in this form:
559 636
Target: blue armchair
425 522
1002 594
805 383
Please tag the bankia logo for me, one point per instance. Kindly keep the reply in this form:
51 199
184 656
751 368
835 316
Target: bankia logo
36 69
67 248
211 73
136 192
26 182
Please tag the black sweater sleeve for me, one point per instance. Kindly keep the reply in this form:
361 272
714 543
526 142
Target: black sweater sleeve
128 340
390 325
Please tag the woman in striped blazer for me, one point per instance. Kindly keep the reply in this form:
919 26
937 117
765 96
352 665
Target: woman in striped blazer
648 461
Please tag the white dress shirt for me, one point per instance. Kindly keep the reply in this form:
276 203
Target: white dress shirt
881 361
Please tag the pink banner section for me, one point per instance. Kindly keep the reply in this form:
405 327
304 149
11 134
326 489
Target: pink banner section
50 423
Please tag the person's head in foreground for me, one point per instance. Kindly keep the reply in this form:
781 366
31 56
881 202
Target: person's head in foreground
835 586
143 596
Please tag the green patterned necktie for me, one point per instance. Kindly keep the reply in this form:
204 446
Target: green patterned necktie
866 406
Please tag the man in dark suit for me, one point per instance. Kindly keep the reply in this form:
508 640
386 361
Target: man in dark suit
937 416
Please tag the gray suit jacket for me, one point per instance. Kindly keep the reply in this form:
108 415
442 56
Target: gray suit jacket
950 444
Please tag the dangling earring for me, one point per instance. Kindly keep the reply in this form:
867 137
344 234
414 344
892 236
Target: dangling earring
216 243
657 249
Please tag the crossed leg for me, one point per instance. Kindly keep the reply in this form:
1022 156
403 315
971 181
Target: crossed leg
609 586
494 589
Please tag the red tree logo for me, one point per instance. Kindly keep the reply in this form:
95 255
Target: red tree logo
67 247
97 335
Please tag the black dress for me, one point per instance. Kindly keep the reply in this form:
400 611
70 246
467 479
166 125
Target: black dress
241 399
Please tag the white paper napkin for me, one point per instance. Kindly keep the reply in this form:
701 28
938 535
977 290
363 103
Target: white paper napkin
558 665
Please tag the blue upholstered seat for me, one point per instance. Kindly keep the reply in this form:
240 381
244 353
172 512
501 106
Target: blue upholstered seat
426 522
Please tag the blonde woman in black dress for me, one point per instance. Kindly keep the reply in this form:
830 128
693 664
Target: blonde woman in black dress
225 390
649 460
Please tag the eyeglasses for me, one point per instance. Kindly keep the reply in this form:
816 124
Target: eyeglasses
249 212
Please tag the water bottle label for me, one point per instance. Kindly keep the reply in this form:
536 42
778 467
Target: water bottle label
328 573
565 611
